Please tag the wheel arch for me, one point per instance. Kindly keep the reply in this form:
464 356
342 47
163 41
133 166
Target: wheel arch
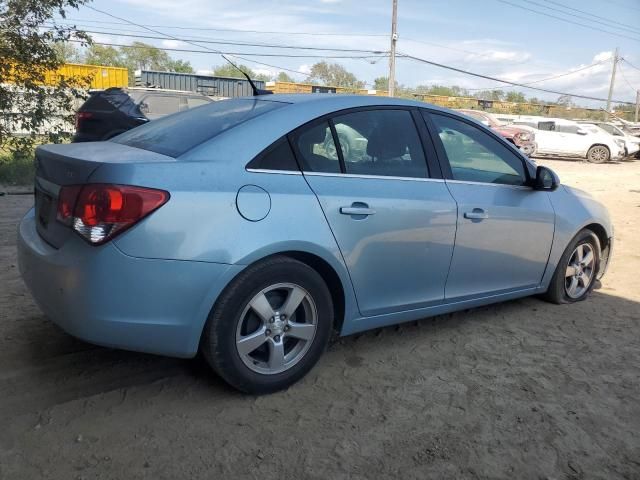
328 266
598 145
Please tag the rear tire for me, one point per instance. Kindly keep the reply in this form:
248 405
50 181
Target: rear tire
598 154
569 282
256 338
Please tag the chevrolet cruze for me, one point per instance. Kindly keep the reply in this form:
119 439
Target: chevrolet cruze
246 230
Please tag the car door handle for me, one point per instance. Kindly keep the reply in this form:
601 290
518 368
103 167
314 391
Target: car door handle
357 210
476 214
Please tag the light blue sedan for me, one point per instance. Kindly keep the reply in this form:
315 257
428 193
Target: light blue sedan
244 230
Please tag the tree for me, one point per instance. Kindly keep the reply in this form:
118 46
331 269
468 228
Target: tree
495 95
142 56
179 66
27 55
284 77
104 55
333 75
565 101
67 52
228 70
515 97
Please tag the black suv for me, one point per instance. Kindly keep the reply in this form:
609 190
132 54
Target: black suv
107 113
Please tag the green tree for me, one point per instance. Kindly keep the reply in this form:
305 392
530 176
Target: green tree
284 77
67 52
142 56
333 75
104 55
27 54
228 70
495 95
515 97
179 66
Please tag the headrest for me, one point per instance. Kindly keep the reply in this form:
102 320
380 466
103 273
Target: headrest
387 143
315 135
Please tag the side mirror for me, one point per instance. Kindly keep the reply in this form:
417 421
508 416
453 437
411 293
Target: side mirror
546 179
144 107
581 132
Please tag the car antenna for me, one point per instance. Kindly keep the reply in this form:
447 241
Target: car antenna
256 91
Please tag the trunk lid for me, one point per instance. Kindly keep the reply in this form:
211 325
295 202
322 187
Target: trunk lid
73 164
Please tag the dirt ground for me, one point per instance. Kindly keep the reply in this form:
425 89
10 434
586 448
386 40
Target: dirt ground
519 390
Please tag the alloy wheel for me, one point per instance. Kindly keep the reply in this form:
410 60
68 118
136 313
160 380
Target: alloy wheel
276 328
580 271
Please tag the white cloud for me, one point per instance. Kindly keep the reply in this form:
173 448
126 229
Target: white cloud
306 69
172 43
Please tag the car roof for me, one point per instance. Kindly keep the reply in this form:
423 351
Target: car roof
344 100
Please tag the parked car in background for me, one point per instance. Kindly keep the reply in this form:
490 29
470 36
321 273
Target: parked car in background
523 138
566 138
232 229
107 113
631 142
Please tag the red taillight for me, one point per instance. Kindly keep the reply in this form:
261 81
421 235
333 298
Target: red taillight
98 212
80 116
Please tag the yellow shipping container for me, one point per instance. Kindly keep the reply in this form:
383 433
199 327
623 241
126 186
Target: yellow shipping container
291 87
101 76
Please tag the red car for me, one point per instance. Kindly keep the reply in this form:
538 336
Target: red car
521 137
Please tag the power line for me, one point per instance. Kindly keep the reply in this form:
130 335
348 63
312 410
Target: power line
630 64
253 54
193 43
616 24
626 80
515 84
244 44
550 78
330 34
568 21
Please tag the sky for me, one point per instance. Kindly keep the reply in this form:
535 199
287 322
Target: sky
499 38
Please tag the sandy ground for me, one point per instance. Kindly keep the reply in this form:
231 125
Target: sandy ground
520 390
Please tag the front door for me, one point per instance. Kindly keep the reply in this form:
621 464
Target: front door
505 228
394 225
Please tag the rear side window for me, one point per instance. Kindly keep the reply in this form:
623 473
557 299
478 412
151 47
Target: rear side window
278 156
317 149
567 128
176 134
160 105
382 143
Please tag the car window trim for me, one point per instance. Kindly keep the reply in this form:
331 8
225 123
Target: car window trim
444 159
432 173
338 147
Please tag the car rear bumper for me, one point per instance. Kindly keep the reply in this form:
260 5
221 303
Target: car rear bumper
106 297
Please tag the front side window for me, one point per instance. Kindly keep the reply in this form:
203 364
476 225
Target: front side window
317 149
475 156
381 143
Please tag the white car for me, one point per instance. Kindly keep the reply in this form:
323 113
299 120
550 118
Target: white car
631 143
565 138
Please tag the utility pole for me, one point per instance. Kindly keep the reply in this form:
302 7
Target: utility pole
392 56
637 106
613 80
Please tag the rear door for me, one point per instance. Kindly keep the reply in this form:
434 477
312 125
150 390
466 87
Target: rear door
391 214
505 228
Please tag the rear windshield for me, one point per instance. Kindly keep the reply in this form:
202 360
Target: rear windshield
178 133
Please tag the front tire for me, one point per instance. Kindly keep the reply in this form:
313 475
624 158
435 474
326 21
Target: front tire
598 154
270 326
577 270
